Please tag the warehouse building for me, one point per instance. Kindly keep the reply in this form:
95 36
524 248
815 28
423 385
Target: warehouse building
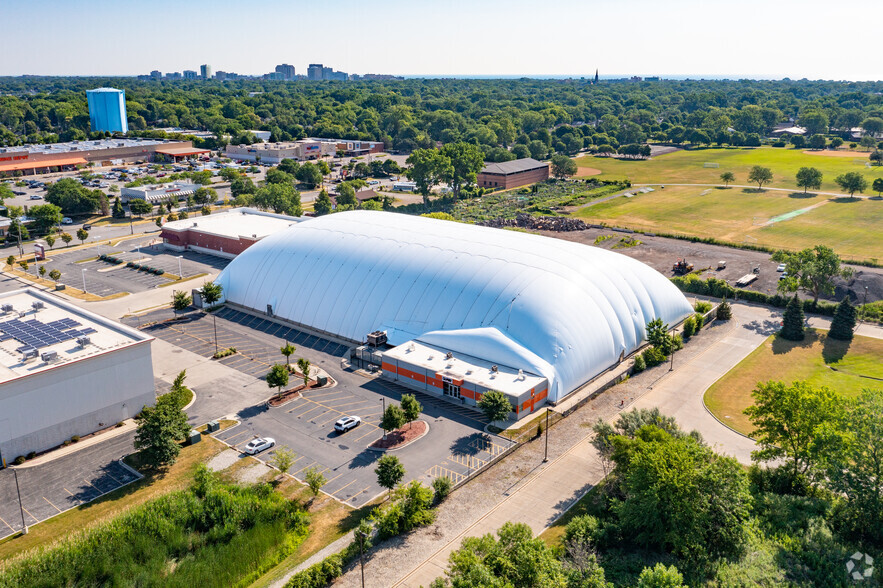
457 309
302 150
225 234
65 371
53 157
511 174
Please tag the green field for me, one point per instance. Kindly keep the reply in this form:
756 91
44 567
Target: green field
686 167
810 360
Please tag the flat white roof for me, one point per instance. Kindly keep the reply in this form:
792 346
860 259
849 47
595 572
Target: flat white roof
92 145
465 367
235 223
54 328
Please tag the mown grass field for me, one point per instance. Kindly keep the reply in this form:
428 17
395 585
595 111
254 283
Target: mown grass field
686 167
778 359
738 215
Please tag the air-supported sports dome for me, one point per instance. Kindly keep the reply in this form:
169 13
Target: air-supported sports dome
559 309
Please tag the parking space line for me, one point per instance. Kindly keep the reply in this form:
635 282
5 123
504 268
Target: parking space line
52 505
93 485
304 468
335 477
13 530
365 489
333 493
113 478
227 440
365 435
30 515
367 402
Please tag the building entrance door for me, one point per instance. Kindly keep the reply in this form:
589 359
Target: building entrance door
451 390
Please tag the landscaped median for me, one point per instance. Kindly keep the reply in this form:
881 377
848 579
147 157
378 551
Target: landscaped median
400 438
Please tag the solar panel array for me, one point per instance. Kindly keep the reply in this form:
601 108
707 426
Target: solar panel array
36 334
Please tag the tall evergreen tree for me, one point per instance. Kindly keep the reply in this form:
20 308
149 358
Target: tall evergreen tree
792 321
843 324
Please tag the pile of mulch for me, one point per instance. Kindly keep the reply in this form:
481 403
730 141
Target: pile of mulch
289 395
401 437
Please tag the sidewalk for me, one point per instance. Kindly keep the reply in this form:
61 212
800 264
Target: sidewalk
128 425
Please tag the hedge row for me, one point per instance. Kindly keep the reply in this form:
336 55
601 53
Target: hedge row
718 288
110 259
145 268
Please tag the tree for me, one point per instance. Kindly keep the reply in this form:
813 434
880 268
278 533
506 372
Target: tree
724 311
280 198
72 197
852 182
815 122
796 423
160 430
390 471
309 174
205 196
817 142
287 350
809 177
277 377
811 270
346 196
661 576
283 459
211 293
792 321
315 480
289 166
876 158
728 177
10 261
181 300
50 240
42 271
277 176
495 405
393 418
55 275
411 408
139 207
514 558
761 175
82 235
843 323
868 142
563 166
45 216
857 472
878 186
466 160
303 365
428 169
118 211
873 125
322 205
520 151
205 210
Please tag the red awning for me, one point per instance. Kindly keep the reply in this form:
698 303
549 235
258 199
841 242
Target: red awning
38 164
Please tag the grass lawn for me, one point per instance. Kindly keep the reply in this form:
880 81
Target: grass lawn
737 215
778 359
687 167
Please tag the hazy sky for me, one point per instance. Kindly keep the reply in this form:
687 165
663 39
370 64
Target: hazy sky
739 38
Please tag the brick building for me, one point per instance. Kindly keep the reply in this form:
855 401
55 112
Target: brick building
511 174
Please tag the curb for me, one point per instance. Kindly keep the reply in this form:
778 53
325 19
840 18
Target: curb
414 440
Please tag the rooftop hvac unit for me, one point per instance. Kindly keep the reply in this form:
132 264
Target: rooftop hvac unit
377 338
7 308
83 341
29 354
449 355
49 356
411 346
495 369
37 305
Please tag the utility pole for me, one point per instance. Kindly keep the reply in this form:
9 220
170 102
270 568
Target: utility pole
21 508
546 453
361 536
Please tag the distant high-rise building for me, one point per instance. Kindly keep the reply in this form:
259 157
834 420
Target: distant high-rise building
314 71
286 70
596 76
173 75
205 71
189 74
156 74
107 110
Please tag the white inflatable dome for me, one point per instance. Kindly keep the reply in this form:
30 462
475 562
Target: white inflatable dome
552 307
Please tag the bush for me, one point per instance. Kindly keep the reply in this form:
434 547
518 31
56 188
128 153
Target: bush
689 327
699 320
318 575
585 528
718 288
724 311
75 439
640 365
702 306
31 455
19 460
677 342
653 356
441 488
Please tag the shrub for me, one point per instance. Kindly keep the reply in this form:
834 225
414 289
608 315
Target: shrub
702 306
724 310
441 488
640 365
584 528
653 356
689 327
318 575
19 460
75 439
31 455
677 342
699 320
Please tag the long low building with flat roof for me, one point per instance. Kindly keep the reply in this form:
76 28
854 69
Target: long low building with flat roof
65 371
50 157
225 234
511 174
159 192
301 150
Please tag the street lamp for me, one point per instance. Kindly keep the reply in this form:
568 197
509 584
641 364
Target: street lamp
84 280
383 404
361 537
21 508
180 272
546 454
672 366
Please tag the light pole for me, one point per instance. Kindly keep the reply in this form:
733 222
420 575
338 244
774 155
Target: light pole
84 280
672 366
361 537
21 508
180 273
546 454
383 404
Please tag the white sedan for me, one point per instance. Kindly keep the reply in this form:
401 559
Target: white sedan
781 267
255 446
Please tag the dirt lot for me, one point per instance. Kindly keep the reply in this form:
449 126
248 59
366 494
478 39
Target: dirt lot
660 253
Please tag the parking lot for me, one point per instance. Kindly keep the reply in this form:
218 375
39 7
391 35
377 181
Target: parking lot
455 446
59 485
105 279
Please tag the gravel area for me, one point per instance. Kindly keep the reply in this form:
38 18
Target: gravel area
391 561
252 474
223 460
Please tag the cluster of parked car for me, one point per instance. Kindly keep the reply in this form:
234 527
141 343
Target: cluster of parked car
259 444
